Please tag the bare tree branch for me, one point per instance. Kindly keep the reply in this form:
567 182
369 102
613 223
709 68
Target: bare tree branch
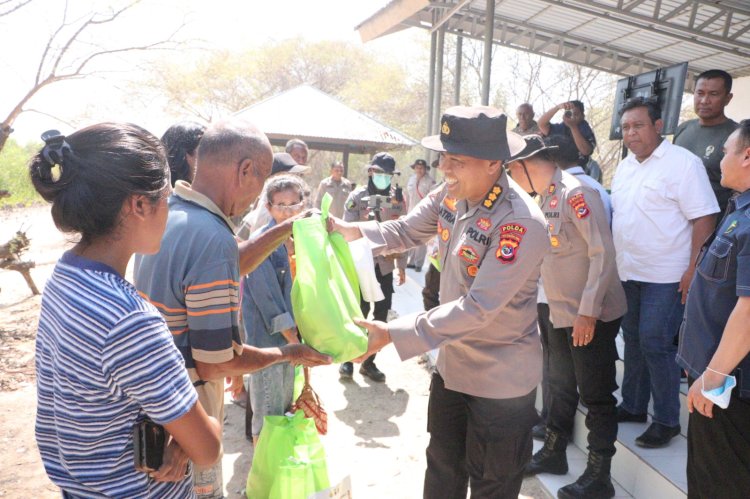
56 56
11 8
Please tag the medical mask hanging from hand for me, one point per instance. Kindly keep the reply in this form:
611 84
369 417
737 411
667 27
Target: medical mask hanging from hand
721 394
382 181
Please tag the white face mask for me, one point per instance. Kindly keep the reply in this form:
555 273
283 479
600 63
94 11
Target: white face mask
721 394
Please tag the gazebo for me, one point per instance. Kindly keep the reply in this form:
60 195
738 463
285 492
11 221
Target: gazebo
323 122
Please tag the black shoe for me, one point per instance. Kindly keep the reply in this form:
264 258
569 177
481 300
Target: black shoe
657 435
371 371
418 269
551 458
595 483
346 370
539 431
624 416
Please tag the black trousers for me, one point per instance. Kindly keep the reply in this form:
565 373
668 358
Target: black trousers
545 329
481 441
718 462
589 371
380 312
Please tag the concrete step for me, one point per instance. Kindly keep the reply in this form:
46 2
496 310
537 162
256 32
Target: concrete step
636 472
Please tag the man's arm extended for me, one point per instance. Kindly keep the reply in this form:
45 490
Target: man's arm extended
254 359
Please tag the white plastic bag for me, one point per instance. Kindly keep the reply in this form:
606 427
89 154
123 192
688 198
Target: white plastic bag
363 261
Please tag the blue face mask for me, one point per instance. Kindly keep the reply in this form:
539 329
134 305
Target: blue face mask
382 181
721 394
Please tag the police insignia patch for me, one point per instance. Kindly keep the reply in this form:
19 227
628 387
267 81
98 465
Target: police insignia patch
491 197
484 224
554 241
445 235
445 129
472 270
468 254
450 203
578 203
351 205
553 202
510 239
552 189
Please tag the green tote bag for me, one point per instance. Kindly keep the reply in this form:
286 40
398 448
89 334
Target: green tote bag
325 293
289 461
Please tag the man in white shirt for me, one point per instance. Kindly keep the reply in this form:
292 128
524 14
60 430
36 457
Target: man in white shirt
664 208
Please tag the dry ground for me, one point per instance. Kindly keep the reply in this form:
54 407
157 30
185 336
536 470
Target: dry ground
376 431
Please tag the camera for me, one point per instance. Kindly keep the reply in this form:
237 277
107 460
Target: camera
568 114
375 203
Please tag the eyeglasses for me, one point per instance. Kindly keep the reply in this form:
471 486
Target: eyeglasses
291 207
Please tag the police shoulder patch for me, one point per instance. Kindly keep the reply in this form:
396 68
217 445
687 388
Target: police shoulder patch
578 203
511 235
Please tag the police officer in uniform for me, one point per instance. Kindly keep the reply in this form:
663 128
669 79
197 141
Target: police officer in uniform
586 302
380 200
491 241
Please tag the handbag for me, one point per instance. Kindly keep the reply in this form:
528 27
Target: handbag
309 403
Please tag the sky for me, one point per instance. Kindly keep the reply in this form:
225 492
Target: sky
219 24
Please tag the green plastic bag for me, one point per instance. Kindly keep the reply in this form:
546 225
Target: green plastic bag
325 293
289 460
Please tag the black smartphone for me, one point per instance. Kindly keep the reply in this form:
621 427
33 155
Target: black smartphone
149 439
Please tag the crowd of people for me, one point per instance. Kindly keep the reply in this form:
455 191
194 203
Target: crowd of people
525 247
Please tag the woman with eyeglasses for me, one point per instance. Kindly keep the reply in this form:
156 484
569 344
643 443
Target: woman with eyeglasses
267 306
105 360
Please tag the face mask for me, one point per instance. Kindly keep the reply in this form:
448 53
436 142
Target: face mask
382 181
720 395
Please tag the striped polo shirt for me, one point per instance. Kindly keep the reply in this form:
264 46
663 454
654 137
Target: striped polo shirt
104 359
194 279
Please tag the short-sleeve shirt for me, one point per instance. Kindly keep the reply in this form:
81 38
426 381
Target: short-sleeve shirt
653 203
490 255
194 279
583 127
339 191
707 142
722 275
104 360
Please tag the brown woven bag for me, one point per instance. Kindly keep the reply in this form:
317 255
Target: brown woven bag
309 403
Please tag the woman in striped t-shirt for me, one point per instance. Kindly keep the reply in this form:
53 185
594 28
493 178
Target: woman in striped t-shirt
104 357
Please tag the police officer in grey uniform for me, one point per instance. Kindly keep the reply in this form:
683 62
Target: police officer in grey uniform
380 200
586 302
492 238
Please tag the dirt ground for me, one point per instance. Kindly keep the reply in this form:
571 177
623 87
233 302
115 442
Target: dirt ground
377 431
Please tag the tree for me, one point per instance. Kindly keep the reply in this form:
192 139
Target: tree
73 49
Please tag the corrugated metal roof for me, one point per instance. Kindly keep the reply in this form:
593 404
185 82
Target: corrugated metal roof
322 121
643 34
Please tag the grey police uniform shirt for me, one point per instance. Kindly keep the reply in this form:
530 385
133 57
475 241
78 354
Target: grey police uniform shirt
356 210
339 191
490 254
580 272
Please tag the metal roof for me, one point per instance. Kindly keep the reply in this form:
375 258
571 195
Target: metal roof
323 122
624 37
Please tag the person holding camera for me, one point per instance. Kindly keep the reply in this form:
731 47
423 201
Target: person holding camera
573 125
379 200
105 360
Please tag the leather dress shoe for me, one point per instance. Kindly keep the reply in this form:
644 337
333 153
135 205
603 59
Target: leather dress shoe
346 370
657 435
624 416
371 371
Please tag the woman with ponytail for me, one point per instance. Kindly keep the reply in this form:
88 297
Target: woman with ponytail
105 360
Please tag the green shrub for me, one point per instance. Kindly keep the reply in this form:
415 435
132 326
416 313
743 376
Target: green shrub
14 175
